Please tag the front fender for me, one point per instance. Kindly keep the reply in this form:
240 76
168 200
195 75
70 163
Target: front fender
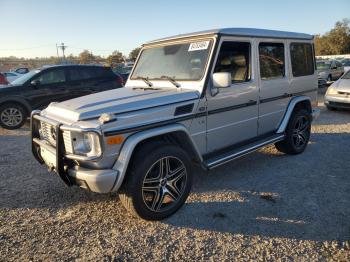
132 141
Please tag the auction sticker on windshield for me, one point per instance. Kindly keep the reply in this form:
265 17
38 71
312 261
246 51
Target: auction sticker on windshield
198 46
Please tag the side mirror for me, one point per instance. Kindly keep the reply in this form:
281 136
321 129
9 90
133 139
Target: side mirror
222 80
35 83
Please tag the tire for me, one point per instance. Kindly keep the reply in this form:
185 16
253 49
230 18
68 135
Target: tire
12 116
297 133
331 108
154 193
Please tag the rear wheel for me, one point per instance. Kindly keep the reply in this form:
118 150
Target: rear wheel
297 133
158 182
12 116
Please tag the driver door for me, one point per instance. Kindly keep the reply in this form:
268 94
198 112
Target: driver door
233 112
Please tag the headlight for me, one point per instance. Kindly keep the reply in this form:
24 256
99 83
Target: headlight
86 144
331 91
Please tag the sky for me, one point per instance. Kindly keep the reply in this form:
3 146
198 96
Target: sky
31 28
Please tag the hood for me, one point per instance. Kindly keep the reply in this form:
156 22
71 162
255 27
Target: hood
117 101
342 85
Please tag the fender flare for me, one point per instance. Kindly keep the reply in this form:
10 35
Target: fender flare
293 102
17 99
122 162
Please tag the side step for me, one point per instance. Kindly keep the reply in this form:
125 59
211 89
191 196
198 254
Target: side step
241 151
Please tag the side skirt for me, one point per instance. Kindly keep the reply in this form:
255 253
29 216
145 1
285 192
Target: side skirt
221 159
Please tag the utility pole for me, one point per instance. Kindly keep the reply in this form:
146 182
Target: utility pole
63 47
57 52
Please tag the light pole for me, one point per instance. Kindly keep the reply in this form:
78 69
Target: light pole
63 47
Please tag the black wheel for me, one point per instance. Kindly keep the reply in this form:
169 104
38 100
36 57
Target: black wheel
12 116
297 133
331 108
158 182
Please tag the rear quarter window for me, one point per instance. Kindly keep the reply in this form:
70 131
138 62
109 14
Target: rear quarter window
302 59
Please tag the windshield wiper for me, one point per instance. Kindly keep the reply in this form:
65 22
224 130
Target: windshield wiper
145 79
171 80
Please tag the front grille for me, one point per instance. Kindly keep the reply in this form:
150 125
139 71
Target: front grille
344 93
67 142
48 133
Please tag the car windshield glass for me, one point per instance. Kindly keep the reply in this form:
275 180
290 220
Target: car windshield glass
323 65
21 80
185 61
346 75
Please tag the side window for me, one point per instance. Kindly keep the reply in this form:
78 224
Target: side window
271 59
80 74
234 57
301 55
52 76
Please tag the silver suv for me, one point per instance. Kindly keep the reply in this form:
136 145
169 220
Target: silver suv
204 98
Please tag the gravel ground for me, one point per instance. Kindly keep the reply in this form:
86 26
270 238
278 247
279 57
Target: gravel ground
265 206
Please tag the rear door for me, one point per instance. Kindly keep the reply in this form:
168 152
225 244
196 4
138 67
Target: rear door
274 84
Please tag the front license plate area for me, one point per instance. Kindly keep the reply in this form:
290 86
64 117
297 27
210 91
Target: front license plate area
49 158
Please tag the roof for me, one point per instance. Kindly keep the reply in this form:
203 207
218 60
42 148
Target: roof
254 32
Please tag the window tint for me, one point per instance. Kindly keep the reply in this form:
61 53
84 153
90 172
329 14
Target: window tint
52 76
271 58
80 74
234 57
302 59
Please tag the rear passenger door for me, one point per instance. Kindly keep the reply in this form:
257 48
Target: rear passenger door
81 81
274 85
233 112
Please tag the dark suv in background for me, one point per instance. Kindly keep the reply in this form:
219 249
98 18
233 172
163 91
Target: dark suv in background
38 88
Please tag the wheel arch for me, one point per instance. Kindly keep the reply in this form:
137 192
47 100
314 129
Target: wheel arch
17 100
175 134
296 102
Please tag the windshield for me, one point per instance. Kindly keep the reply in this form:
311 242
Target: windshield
185 61
21 80
346 75
323 65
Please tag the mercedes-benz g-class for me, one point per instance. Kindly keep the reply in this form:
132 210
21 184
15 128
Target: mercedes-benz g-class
205 98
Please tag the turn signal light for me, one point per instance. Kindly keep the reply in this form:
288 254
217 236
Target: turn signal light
115 140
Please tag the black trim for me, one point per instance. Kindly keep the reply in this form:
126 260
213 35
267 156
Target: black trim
185 109
267 37
229 108
266 100
177 119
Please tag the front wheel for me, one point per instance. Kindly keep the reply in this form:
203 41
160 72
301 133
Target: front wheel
12 116
158 182
297 133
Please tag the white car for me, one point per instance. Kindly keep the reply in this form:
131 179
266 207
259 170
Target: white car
338 94
11 76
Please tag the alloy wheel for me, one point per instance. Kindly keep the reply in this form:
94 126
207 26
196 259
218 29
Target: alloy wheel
164 184
11 116
301 131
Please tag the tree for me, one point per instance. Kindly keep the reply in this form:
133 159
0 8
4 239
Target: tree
134 53
115 58
336 41
86 57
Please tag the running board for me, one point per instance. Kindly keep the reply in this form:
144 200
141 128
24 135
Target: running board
241 151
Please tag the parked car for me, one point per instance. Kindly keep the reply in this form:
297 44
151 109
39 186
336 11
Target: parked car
3 80
346 64
205 98
11 76
328 71
38 88
22 70
338 94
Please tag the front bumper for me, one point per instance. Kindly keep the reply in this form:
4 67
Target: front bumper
337 101
100 181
